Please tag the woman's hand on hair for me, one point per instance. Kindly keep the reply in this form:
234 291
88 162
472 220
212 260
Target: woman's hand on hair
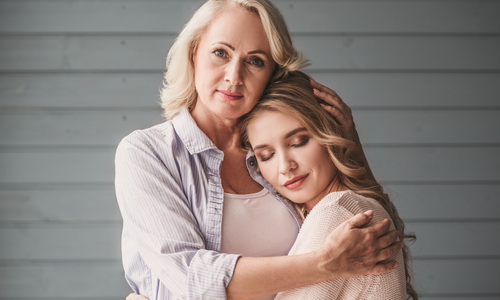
337 108
352 250
134 296
343 115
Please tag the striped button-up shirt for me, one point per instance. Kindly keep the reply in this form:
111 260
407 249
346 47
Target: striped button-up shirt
170 195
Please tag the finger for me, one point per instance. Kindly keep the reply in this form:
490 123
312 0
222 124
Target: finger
387 239
336 113
384 267
330 97
380 228
134 296
131 296
322 88
389 252
360 219
335 102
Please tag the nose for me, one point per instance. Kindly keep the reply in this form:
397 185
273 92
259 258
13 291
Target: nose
287 164
234 72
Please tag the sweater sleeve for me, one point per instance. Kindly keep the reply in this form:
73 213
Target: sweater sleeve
328 214
322 220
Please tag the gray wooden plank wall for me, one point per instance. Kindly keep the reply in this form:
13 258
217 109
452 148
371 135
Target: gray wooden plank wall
76 76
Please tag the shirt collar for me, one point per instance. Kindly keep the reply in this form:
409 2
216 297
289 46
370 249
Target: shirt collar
251 162
191 135
252 169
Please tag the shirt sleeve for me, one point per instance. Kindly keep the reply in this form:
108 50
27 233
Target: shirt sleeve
159 223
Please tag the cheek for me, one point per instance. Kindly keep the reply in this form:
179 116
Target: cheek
268 173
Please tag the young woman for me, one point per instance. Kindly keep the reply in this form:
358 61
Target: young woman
302 152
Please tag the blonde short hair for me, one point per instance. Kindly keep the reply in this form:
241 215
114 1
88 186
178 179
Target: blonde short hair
179 88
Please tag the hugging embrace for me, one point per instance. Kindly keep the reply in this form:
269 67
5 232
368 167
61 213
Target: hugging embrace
256 186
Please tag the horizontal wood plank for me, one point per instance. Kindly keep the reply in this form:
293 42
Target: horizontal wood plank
457 277
434 164
73 204
101 241
107 127
65 242
57 166
446 201
82 279
471 277
59 127
110 90
359 90
347 53
91 203
301 16
394 164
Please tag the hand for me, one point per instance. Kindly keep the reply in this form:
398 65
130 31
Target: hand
351 250
337 108
135 297
343 115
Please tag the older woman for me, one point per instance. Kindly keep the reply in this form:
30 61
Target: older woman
196 225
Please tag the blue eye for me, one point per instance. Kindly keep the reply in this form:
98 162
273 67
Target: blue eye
256 62
220 53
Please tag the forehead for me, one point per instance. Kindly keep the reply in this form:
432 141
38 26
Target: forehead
239 27
270 126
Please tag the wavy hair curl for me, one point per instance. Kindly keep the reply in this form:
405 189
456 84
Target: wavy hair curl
293 96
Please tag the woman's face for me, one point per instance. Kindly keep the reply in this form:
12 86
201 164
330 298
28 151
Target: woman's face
290 158
232 64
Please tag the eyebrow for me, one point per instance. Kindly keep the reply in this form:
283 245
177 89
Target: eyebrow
295 131
232 48
291 133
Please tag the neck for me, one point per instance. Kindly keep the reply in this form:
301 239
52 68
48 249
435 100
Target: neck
224 133
334 186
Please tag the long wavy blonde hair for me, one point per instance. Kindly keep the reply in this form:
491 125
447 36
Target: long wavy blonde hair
293 96
178 86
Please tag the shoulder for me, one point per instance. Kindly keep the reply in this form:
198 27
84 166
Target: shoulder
357 203
150 140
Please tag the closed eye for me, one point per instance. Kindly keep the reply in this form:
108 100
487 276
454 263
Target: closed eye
304 140
266 158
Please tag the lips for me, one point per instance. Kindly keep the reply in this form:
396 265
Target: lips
295 182
229 96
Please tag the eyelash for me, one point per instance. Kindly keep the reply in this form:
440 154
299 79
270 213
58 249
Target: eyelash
304 142
220 53
260 62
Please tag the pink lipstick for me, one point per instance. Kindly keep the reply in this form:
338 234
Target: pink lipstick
295 182
229 96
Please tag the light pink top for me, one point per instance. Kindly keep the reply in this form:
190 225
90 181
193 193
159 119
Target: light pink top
257 225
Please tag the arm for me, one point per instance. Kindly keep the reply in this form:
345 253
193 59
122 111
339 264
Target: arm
325 217
349 250
161 230
343 114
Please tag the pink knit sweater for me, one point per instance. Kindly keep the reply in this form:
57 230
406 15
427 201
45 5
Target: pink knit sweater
329 213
